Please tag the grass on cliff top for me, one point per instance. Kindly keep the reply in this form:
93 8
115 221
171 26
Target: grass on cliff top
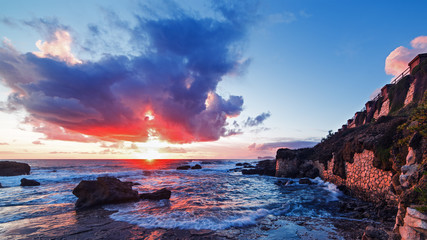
417 120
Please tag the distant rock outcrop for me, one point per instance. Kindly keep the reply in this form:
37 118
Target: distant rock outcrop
197 166
103 191
185 167
1 185
9 168
265 167
157 195
29 182
294 163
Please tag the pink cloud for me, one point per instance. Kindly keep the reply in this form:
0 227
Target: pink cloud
59 48
37 142
55 132
397 61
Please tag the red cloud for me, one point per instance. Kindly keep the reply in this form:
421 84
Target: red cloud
397 61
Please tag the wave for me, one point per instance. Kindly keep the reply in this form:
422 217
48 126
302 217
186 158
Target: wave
186 220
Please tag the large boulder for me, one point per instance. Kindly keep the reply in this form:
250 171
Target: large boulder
157 195
9 168
104 190
28 182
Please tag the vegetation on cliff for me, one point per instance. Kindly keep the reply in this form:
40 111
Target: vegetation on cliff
389 137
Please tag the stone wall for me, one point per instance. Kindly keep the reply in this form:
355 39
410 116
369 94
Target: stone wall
410 94
363 179
385 109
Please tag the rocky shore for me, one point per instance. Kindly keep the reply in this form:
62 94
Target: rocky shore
96 224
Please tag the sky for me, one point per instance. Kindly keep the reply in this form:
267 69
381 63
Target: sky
193 79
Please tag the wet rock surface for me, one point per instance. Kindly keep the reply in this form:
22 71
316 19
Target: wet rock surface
29 182
96 224
185 167
9 168
103 191
157 195
305 181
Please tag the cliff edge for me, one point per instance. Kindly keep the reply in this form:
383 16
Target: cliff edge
380 155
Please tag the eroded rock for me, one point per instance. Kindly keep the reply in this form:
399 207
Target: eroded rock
103 191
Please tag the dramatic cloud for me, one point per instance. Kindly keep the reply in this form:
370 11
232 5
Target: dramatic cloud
397 61
168 91
276 145
251 122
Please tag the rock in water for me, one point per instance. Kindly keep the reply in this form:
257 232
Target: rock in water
1 185
157 195
197 166
305 181
103 191
8 168
185 167
29 182
265 167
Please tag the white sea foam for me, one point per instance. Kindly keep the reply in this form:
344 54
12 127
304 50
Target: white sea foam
186 220
334 192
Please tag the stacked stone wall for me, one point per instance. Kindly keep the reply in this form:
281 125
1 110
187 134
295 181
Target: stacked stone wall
363 179
328 175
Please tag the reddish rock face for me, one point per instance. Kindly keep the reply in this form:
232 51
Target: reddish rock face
104 190
8 168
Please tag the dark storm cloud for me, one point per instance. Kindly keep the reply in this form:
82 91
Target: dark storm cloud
168 91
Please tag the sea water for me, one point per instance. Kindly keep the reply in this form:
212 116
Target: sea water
209 198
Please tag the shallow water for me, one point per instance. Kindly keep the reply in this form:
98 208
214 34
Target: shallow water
210 198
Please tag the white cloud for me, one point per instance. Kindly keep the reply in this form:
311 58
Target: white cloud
397 61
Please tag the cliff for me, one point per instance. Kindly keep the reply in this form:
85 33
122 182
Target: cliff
380 155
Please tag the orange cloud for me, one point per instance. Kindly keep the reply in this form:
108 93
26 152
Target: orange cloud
59 48
397 61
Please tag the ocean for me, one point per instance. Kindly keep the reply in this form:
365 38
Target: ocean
210 198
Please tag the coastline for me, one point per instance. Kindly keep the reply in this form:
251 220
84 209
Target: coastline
97 224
